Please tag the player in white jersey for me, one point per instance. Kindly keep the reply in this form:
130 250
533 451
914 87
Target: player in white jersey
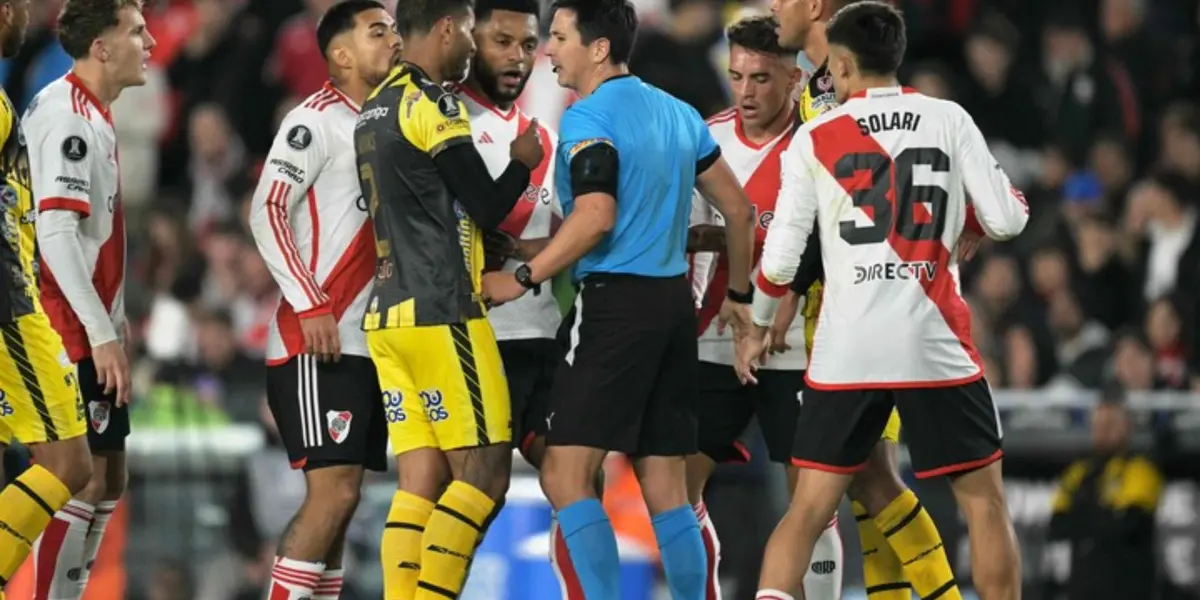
883 176
81 236
312 228
506 41
753 136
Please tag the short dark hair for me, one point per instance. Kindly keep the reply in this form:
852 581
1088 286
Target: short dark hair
418 16
339 19
757 34
484 8
613 20
82 21
872 30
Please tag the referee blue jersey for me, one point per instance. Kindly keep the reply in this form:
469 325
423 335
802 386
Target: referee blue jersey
659 140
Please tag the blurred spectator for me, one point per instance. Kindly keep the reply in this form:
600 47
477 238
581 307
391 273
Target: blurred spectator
1180 132
221 375
1144 56
1164 332
218 157
1110 160
1104 509
1133 366
1161 207
998 95
171 580
296 61
933 79
676 56
1083 95
1105 286
140 117
1081 345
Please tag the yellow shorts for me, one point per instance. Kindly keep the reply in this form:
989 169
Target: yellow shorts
443 386
39 396
891 432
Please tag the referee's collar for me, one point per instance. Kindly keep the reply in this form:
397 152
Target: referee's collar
882 92
614 78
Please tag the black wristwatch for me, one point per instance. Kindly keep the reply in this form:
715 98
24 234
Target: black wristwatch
739 297
524 277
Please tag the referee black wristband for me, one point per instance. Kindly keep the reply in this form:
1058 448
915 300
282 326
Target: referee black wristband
739 297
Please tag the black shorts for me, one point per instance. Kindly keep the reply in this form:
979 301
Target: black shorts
725 408
530 366
108 424
628 380
329 413
948 430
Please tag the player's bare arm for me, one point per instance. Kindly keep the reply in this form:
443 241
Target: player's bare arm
720 186
706 238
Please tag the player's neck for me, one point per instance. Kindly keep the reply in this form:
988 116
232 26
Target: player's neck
418 58
353 88
478 92
816 46
602 73
776 126
91 75
868 82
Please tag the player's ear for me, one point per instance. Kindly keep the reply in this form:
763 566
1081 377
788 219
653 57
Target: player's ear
98 50
341 56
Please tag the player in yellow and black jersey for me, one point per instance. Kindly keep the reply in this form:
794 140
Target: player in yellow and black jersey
39 399
430 194
901 544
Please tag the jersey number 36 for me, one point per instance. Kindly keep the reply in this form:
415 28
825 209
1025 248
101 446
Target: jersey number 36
899 216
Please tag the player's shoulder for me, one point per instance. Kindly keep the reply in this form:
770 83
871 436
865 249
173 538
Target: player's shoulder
723 125
60 103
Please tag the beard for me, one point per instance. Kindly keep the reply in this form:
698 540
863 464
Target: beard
12 44
489 82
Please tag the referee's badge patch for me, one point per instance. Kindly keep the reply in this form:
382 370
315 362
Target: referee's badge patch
585 144
339 425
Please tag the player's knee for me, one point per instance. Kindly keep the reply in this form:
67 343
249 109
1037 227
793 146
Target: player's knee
71 463
423 473
335 493
487 469
875 490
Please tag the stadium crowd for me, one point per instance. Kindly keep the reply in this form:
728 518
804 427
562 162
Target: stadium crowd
1090 106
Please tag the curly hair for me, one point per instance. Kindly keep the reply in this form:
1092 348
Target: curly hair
82 21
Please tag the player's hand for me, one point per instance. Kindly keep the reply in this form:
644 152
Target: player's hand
751 353
527 148
321 337
500 244
112 370
735 315
968 245
784 317
500 288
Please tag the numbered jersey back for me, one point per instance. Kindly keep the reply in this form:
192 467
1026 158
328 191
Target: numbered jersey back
890 206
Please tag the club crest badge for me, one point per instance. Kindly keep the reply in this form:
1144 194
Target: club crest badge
99 412
339 424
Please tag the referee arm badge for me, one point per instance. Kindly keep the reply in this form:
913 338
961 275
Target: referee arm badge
585 144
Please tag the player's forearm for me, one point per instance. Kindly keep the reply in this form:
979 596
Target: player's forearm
592 220
720 185
296 281
58 242
527 250
485 200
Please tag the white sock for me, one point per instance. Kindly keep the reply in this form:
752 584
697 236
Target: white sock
712 550
823 580
772 595
294 579
59 559
91 546
330 586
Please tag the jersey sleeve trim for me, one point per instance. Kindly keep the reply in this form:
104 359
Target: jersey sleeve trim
277 210
450 143
60 203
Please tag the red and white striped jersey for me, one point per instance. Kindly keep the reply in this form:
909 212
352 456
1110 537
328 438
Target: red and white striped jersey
886 177
536 215
311 225
757 167
74 167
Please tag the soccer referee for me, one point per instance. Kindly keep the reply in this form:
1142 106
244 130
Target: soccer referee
629 157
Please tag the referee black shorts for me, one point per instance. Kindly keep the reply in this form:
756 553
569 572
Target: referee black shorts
628 381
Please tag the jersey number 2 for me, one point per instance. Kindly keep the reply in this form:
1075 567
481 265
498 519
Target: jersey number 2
907 196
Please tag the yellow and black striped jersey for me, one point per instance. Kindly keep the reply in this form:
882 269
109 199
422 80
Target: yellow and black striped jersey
18 252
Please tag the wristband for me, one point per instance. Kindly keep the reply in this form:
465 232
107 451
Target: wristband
739 297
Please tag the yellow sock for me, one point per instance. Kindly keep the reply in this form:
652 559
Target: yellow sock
449 541
882 574
400 551
26 507
915 540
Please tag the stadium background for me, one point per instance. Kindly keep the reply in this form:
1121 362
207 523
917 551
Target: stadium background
1090 105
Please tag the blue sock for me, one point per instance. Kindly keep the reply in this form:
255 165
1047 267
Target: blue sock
593 546
682 551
